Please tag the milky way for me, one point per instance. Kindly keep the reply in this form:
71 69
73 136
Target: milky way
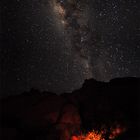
73 15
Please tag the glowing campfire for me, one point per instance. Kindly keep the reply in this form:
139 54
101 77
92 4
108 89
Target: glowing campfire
89 136
101 135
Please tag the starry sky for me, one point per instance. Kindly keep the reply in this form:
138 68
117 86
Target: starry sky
55 45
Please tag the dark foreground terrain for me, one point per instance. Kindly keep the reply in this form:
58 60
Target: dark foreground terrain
97 105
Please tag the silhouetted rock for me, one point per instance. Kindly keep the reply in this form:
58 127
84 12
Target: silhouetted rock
45 115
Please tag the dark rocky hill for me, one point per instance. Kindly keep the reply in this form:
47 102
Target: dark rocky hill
45 115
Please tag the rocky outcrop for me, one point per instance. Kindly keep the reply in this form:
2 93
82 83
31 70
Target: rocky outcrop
44 115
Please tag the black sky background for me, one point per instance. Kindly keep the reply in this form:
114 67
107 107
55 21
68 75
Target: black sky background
36 51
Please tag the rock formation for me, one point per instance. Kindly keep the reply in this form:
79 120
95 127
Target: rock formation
45 115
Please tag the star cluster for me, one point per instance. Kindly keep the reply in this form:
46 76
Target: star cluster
56 44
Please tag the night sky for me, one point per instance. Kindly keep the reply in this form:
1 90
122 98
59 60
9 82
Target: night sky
55 45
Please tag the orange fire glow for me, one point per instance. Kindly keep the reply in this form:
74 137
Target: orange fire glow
89 136
95 135
116 131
